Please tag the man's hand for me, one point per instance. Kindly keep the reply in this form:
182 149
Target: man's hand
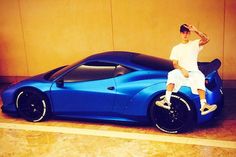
191 28
204 38
184 72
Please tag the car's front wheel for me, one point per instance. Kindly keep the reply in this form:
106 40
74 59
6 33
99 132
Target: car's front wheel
179 118
32 105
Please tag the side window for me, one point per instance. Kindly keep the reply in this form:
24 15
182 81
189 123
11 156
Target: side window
90 71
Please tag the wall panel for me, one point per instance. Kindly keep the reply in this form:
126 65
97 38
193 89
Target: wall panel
62 32
230 40
36 36
152 27
12 52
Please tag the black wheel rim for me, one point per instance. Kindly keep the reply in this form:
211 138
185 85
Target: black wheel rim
171 120
30 105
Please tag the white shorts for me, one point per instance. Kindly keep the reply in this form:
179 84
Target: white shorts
195 81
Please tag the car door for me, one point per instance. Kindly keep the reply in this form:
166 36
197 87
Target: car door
87 90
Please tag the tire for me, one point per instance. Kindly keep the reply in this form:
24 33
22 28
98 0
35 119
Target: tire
178 119
32 105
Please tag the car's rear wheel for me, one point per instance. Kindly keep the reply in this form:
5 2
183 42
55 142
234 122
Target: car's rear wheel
179 118
32 105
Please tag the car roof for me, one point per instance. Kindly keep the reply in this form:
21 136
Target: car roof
136 61
114 56
133 60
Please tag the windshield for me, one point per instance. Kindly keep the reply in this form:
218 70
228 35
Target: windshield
51 72
61 71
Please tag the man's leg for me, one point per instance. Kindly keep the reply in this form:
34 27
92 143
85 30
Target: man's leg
165 103
197 81
170 87
202 94
205 107
174 81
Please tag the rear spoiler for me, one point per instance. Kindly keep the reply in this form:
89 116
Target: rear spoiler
208 67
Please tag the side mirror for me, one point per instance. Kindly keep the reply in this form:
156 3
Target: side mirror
60 83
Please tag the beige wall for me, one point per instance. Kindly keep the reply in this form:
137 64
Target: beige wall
36 36
230 41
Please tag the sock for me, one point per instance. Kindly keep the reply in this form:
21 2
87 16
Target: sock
203 101
168 95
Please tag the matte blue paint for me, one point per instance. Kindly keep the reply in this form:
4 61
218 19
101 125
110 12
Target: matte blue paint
123 98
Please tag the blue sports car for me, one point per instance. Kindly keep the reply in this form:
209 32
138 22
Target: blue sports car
114 86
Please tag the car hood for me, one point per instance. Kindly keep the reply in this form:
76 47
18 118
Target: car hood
44 76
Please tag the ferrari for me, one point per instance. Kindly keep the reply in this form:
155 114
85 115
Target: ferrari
114 86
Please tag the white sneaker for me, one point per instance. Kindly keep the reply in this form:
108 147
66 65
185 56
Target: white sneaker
206 108
163 103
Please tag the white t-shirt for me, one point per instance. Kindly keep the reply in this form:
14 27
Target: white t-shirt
187 54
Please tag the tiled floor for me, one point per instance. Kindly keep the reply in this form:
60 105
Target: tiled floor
59 138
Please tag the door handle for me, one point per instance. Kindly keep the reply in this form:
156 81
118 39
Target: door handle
111 88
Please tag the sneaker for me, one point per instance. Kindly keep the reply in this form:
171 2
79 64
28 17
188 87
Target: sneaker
163 103
206 108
